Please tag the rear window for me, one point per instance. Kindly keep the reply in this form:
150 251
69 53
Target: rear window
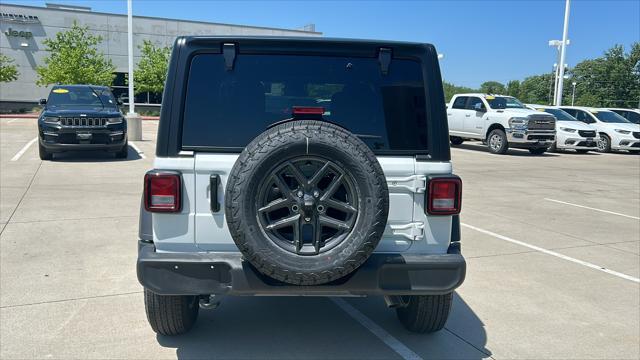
460 102
228 109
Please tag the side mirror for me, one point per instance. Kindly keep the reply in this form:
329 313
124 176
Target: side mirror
119 102
479 107
43 101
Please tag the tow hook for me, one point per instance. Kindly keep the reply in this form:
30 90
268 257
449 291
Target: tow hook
210 302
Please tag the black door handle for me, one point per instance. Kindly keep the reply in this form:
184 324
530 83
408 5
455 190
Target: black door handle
214 182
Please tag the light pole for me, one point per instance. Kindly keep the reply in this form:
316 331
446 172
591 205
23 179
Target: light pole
556 67
553 83
636 72
573 92
134 123
132 107
563 53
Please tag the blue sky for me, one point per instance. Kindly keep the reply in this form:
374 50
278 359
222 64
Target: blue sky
481 40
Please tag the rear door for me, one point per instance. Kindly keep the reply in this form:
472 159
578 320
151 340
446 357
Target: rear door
473 120
224 110
456 114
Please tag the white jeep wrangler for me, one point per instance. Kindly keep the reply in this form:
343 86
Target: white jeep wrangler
291 166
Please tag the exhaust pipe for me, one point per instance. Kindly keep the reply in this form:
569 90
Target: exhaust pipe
210 302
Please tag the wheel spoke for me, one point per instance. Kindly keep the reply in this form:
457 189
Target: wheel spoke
319 175
339 205
333 223
300 178
332 188
284 189
297 242
275 205
292 208
317 235
288 221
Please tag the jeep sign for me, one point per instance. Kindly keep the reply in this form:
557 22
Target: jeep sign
15 33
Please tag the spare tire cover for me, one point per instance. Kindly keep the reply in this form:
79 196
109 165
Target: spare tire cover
306 202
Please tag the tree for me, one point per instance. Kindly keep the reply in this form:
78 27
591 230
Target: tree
152 68
610 80
537 89
75 59
513 88
8 70
492 87
450 90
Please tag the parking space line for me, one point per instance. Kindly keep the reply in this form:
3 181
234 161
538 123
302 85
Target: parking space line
594 209
17 156
140 152
553 253
12 120
376 330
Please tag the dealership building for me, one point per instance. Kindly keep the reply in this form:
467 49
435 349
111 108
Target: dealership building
25 27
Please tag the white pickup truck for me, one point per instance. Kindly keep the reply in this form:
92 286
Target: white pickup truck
500 122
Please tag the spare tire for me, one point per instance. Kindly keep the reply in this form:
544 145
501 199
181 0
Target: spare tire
306 202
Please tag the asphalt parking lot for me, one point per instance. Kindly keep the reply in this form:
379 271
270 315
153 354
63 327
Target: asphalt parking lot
552 244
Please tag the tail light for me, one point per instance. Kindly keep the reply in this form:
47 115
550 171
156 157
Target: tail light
444 196
162 191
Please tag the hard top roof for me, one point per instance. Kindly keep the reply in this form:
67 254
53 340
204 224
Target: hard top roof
306 39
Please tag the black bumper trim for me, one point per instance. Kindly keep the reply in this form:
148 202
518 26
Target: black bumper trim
228 273
59 147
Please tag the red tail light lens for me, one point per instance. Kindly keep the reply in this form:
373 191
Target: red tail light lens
162 192
308 110
444 196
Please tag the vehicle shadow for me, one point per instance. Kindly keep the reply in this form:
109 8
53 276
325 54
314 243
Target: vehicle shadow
575 153
94 156
513 152
315 327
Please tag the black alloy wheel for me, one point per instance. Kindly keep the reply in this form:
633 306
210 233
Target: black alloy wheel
308 205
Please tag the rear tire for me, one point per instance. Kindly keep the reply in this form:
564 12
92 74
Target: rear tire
170 315
124 152
497 142
537 151
455 140
425 313
44 154
604 144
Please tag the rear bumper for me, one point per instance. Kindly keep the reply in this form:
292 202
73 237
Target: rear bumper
227 273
